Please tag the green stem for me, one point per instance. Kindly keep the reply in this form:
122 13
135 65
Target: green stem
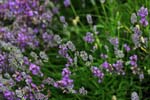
104 11
73 9
96 8
97 39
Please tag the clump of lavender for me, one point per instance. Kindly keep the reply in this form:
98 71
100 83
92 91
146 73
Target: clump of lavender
97 73
26 14
141 76
136 36
89 38
89 19
127 48
51 40
63 51
40 96
134 96
67 3
133 60
87 58
133 63
17 76
15 71
69 61
31 20
9 95
104 56
107 66
133 18
115 42
82 91
95 29
84 55
137 30
65 82
143 12
71 46
119 53
34 69
118 66
43 56
62 19
49 81
57 39
13 57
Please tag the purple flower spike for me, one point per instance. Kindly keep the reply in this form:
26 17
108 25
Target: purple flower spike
114 41
98 73
67 3
143 12
127 48
34 69
144 22
133 60
107 66
66 72
22 39
9 95
62 19
89 37
119 67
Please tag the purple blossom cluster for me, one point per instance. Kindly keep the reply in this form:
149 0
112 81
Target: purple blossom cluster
9 95
66 3
65 82
114 42
118 66
104 56
89 19
134 65
143 12
114 68
136 36
89 38
127 47
27 24
133 60
27 40
64 51
98 73
34 69
29 19
107 66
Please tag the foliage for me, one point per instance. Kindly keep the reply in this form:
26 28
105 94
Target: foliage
74 50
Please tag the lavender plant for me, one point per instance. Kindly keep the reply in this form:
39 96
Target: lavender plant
55 50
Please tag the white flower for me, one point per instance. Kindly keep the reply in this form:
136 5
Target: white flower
134 96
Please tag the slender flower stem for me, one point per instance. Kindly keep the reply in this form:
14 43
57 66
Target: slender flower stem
103 7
